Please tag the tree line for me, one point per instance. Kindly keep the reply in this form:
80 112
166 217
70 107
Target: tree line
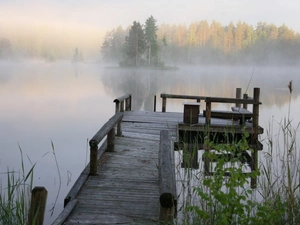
203 43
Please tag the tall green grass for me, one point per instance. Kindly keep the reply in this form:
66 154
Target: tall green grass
15 196
220 199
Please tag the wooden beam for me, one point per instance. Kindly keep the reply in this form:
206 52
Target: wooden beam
106 128
167 183
238 94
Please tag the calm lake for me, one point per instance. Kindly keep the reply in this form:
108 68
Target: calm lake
66 104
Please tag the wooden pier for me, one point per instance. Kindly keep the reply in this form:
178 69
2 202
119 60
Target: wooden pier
131 175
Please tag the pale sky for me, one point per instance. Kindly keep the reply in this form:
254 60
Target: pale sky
108 14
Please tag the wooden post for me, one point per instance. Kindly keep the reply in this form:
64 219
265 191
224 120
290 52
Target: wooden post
128 103
93 158
255 121
111 140
208 111
122 106
164 104
154 108
117 109
167 183
238 95
245 105
37 206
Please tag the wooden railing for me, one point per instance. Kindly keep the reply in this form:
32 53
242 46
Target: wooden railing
253 101
166 96
122 101
108 129
167 180
238 100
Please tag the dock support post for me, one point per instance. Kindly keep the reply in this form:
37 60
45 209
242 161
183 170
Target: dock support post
254 154
164 104
37 206
208 112
154 107
93 158
117 109
111 140
128 103
245 105
238 95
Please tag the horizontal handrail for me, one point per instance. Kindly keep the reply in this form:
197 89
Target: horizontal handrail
106 128
120 103
208 99
122 98
163 95
231 100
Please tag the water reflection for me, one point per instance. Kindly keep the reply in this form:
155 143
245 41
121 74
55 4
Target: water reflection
67 104
208 81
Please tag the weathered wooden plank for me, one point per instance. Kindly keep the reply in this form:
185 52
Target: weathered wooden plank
82 178
126 189
167 183
65 213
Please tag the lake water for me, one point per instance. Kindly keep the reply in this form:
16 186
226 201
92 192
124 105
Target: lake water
66 104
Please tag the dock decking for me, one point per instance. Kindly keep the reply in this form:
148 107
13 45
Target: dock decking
126 189
124 182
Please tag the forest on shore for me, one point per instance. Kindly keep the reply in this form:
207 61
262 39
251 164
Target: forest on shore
198 43
212 43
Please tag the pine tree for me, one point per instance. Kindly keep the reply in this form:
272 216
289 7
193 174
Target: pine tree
134 46
151 41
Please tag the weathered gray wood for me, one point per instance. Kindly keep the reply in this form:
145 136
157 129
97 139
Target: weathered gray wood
128 103
164 104
245 104
208 112
220 128
82 178
241 115
167 183
238 94
232 100
37 206
254 154
65 213
126 188
120 103
111 140
163 95
106 128
122 98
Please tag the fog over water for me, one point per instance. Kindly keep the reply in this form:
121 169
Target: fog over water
67 103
